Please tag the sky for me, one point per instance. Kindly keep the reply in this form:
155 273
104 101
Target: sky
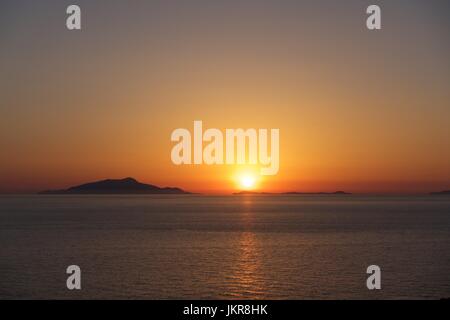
358 110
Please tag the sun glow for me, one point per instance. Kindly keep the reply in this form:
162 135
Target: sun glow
247 181
247 178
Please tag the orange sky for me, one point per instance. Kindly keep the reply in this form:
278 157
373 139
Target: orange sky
357 111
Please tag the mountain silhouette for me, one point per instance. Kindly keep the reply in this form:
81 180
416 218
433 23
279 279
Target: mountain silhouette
120 186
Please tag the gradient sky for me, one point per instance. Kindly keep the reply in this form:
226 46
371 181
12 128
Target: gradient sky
357 110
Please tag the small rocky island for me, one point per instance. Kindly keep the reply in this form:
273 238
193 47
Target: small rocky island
116 186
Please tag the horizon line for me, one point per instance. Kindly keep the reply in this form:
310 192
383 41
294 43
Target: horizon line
227 191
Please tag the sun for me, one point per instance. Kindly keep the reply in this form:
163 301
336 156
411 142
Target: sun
246 178
247 181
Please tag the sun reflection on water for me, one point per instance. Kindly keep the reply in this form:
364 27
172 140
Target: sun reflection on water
248 276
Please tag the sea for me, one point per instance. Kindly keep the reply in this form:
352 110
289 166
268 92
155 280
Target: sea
224 247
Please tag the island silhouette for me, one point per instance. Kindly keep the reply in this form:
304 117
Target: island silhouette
116 186
132 186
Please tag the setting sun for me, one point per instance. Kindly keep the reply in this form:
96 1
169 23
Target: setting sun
247 181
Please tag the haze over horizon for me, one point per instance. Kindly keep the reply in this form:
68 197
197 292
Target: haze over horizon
359 111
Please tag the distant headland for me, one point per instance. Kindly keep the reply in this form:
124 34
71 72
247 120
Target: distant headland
116 186
441 193
293 193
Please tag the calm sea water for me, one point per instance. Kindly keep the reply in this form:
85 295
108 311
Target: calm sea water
242 247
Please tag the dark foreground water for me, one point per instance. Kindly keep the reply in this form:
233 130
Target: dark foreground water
199 247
